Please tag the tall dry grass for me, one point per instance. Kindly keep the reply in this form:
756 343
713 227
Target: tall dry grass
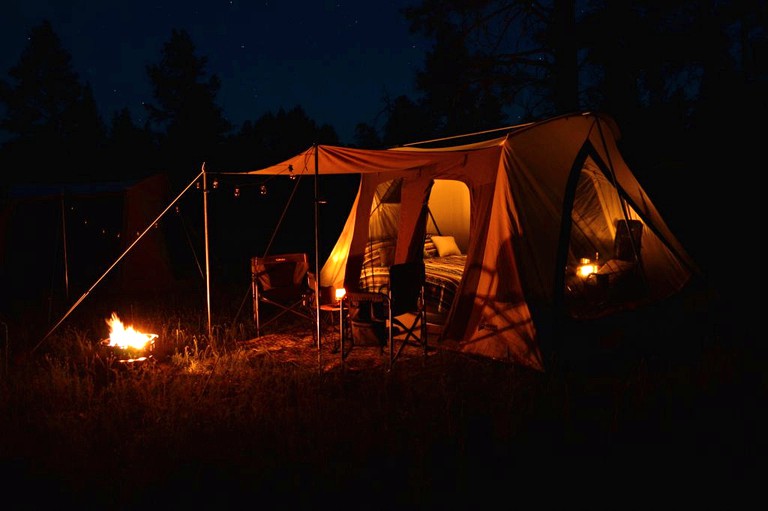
211 422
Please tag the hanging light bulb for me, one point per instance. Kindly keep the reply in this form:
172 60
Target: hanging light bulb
237 192
263 189
215 183
197 184
290 171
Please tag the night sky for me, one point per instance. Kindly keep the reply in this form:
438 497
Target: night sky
335 59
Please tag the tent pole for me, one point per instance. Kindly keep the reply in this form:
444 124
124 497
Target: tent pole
317 260
207 258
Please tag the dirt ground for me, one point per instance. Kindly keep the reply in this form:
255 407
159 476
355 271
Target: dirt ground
296 345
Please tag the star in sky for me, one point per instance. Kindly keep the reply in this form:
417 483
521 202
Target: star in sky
338 61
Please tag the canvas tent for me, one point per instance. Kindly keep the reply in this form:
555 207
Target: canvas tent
536 203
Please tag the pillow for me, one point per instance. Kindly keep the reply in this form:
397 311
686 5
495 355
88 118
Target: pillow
430 250
446 245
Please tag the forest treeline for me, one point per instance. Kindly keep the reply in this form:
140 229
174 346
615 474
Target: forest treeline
686 81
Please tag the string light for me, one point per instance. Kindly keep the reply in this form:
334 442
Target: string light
99 226
290 171
115 233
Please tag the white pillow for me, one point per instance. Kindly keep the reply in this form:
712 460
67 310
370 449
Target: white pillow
446 245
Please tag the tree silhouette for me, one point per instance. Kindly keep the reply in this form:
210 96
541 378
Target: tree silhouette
407 121
495 59
459 89
366 136
274 137
131 149
190 124
49 108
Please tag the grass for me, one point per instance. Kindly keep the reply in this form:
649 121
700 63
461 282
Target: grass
230 423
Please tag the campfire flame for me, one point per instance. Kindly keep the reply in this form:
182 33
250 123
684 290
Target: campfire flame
124 338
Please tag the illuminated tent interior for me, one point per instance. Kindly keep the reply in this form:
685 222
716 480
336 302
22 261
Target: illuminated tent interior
536 225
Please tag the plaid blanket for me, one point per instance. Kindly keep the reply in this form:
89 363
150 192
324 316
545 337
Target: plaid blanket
443 277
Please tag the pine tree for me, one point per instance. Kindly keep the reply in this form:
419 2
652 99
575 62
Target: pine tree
48 107
191 126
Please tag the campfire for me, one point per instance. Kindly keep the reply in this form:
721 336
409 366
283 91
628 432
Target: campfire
128 344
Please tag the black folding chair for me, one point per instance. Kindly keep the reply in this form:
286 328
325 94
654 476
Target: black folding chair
626 243
279 285
367 319
408 313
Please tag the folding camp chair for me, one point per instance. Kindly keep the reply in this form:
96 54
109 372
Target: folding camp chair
396 318
626 244
366 317
408 313
279 285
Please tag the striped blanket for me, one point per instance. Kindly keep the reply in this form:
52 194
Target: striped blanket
443 277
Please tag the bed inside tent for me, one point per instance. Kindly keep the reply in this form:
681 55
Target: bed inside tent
445 242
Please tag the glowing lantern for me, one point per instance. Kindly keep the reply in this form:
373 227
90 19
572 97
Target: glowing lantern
586 268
